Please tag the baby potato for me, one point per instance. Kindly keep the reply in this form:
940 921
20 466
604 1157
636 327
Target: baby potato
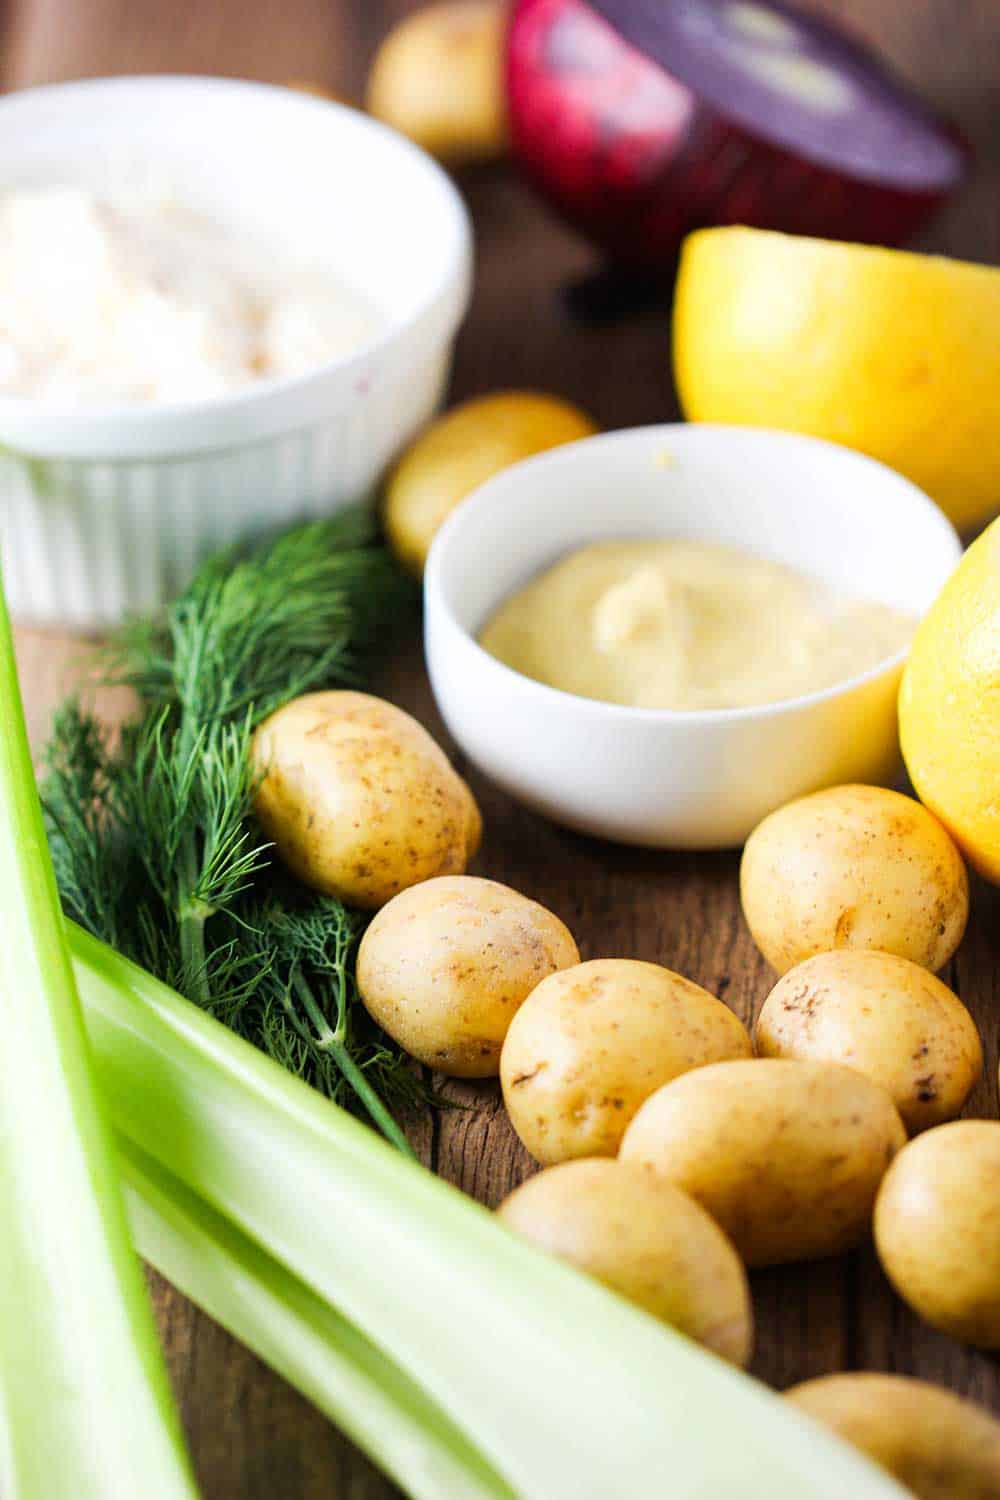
461 450
438 78
445 965
644 1239
854 867
937 1229
885 1016
786 1156
358 799
473 822
591 1043
936 1444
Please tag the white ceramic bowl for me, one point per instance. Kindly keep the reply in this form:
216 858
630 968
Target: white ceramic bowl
657 777
107 511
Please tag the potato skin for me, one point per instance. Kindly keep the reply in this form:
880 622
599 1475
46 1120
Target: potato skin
885 1016
438 78
444 967
854 867
358 799
786 1156
473 822
592 1042
644 1239
938 1445
460 451
937 1229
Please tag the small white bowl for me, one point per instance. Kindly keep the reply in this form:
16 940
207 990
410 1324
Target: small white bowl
106 511
656 777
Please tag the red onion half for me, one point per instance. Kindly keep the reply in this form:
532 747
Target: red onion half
642 119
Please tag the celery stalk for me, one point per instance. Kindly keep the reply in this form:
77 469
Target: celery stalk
84 1400
571 1393
298 1335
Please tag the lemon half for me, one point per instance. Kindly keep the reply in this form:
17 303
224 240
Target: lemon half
949 705
892 353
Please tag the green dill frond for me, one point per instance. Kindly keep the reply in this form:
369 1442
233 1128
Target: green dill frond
311 988
93 864
233 853
256 628
154 842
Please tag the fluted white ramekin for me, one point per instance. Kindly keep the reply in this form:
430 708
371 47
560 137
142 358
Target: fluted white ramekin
107 511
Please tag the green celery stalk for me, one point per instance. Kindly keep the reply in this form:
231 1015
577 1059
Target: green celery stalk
571 1393
85 1404
297 1334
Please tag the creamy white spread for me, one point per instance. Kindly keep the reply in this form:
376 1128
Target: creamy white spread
687 625
135 297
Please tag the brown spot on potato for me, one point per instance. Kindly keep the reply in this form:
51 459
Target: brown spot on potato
522 1078
844 927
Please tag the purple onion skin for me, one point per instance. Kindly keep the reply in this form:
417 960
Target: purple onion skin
635 160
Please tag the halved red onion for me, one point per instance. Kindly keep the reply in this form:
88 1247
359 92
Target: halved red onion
642 119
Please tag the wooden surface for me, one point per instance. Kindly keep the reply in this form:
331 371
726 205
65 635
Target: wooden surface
250 1435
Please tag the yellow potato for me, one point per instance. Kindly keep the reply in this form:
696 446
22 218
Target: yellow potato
438 78
460 451
937 1229
358 799
473 822
885 1016
786 1156
854 867
644 1239
937 1445
444 967
590 1044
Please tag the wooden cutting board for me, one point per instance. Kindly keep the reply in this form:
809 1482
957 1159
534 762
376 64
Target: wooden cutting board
251 1436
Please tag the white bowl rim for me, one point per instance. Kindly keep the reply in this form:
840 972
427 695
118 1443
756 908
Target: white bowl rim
563 701
94 429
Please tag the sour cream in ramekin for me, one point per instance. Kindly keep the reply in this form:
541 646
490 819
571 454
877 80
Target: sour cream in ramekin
134 296
108 502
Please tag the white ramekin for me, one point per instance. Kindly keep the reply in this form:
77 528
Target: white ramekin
107 511
655 777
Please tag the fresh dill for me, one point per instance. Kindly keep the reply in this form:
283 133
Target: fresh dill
152 833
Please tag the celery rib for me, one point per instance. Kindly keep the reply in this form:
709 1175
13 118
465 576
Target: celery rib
570 1393
87 1412
306 1341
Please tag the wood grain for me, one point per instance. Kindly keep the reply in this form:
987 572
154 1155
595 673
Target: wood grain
251 1436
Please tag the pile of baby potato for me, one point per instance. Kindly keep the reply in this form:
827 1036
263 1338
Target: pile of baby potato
675 1149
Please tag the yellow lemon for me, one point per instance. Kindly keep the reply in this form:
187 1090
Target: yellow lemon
949 705
460 451
893 353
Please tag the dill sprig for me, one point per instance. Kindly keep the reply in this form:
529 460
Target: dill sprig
342 1048
153 837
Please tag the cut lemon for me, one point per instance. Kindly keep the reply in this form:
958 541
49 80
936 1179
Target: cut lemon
949 705
892 353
